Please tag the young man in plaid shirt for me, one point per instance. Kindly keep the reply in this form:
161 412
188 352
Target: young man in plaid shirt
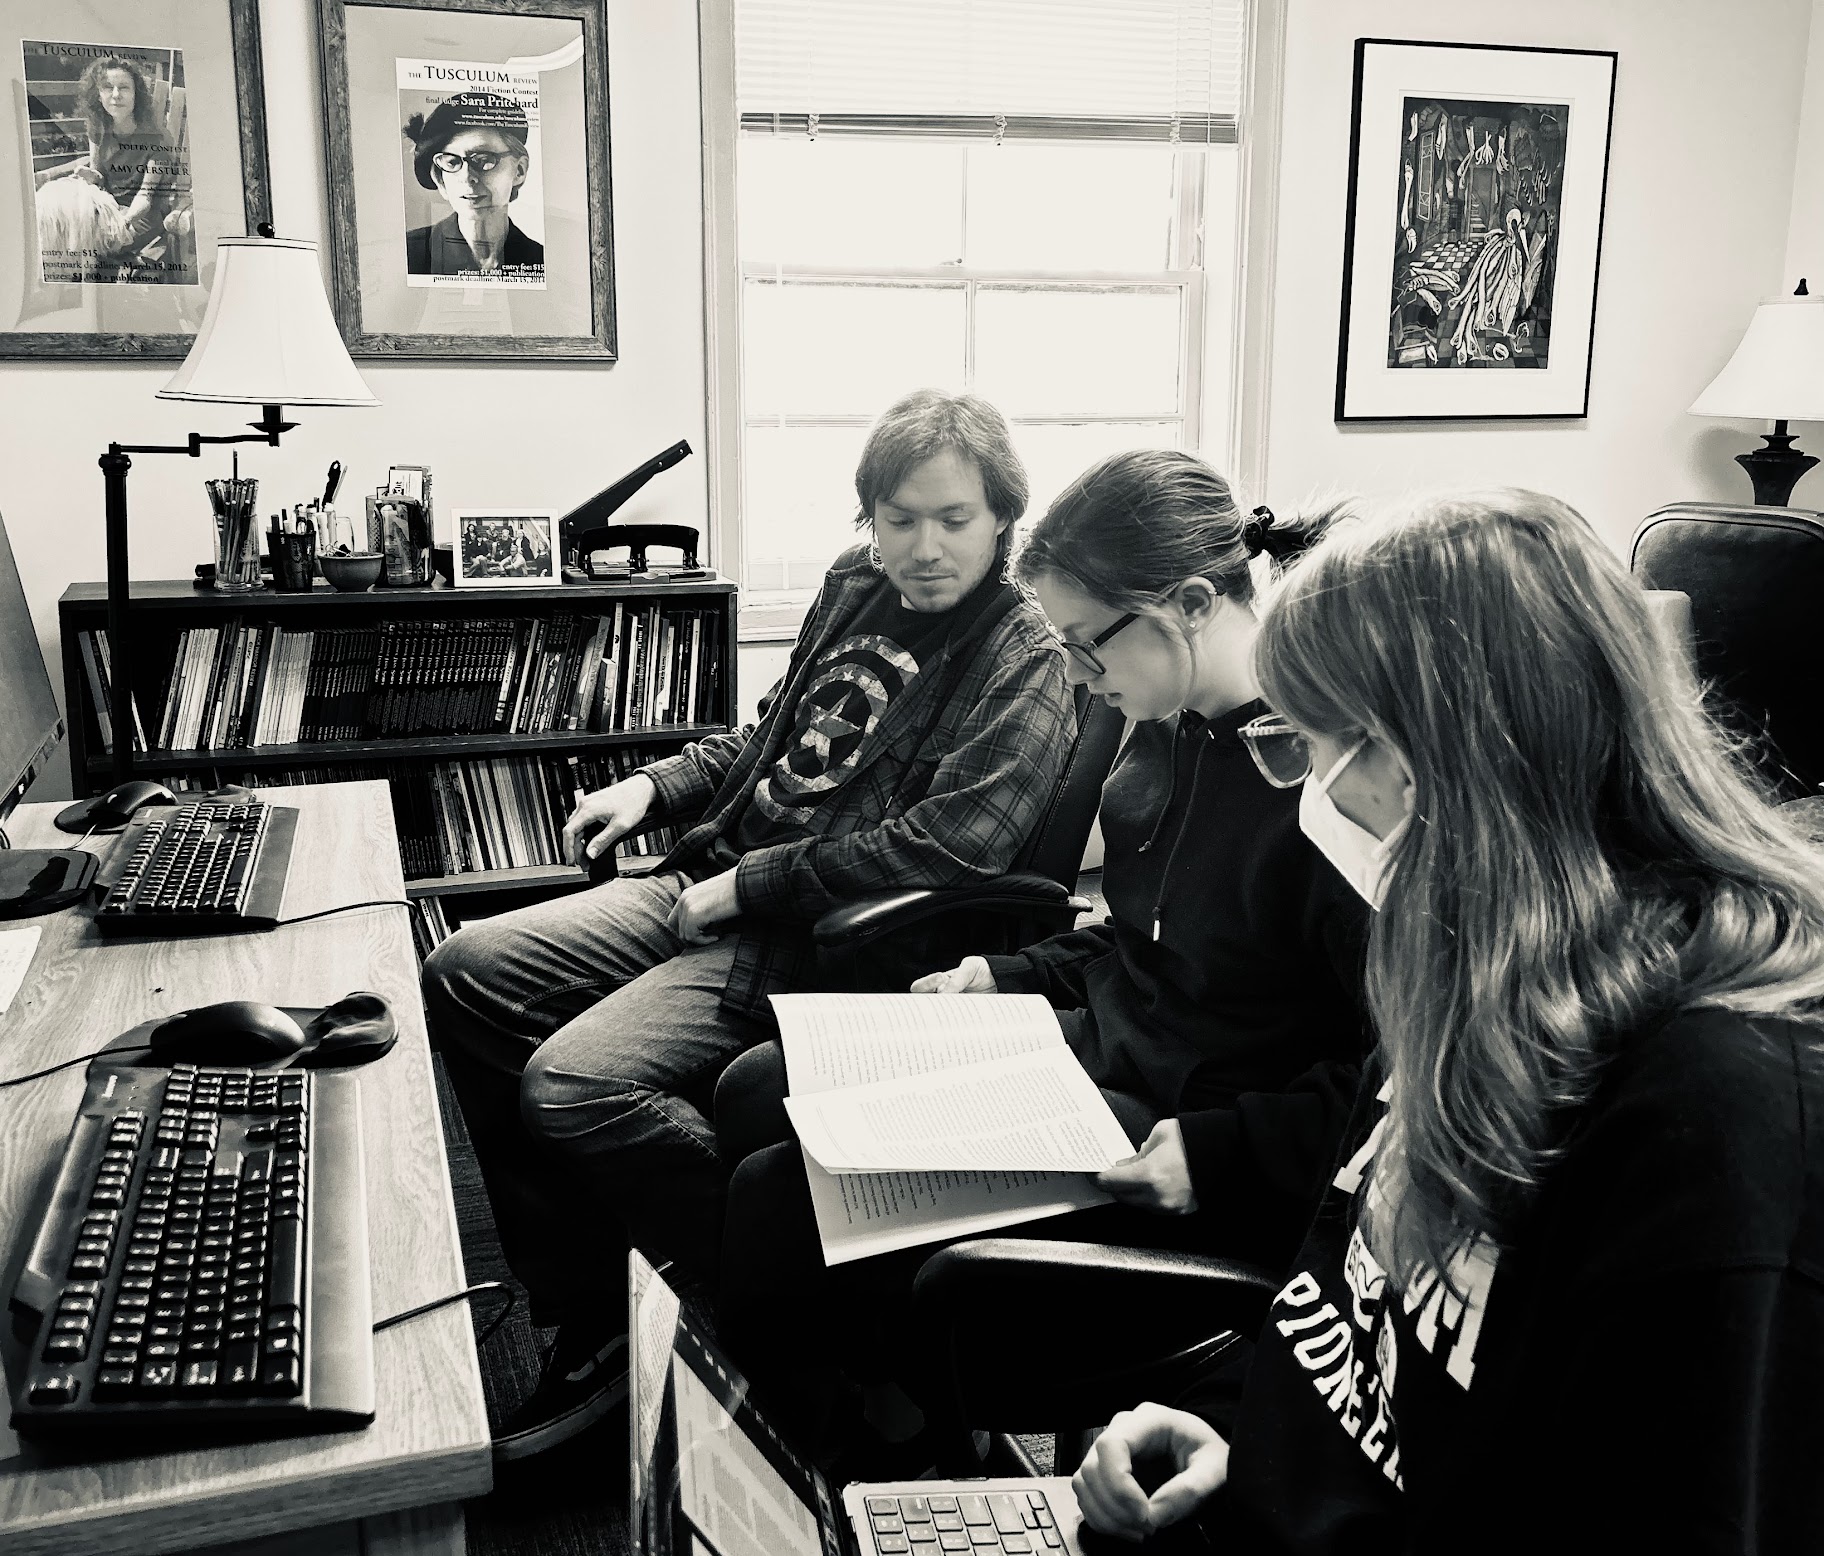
913 742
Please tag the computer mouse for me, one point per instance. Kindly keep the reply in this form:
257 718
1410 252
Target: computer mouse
233 1032
118 806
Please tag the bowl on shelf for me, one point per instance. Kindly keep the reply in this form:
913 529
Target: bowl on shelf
352 571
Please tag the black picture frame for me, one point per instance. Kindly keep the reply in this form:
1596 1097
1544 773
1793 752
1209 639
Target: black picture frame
351 166
241 19
1489 284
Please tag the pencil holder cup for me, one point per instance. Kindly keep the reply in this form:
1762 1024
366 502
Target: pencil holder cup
294 562
237 536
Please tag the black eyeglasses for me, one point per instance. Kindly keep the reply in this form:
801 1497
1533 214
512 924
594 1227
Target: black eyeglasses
1280 751
1085 653
476 161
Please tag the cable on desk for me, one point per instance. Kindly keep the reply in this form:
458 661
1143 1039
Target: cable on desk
38 1075
348 907
457 1296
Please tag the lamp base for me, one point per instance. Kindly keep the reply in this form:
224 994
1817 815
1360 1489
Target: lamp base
1775 469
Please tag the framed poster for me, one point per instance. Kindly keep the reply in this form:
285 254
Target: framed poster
136 139
469 210
511 547
1476 182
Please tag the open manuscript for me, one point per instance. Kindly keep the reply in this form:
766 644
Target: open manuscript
925 1117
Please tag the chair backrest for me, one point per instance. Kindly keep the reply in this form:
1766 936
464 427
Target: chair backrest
1754 577
1056 846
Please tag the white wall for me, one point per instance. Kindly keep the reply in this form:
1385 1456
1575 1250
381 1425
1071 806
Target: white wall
1707 101
1805 229
538 435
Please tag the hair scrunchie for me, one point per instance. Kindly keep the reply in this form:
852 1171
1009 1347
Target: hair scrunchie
1254 530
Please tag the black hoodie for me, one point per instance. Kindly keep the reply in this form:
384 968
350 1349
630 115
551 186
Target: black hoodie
1225 986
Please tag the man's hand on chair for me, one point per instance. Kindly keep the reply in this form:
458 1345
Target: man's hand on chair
616 811
969 976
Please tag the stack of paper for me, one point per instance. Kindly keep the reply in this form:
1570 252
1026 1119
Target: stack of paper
931 1116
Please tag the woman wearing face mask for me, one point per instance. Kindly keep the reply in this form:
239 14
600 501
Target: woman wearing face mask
1566 1289
1218 1007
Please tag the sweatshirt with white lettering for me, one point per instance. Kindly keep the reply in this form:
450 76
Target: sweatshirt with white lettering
1641 1368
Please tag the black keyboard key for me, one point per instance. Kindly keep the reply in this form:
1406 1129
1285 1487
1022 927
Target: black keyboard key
198 1375
113 1382
158 1374
282 1375
241 1365
66 1347
59 1388
286 1288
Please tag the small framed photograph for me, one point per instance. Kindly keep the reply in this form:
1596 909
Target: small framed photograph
138 140
467 148
1476 181
514 547
400 530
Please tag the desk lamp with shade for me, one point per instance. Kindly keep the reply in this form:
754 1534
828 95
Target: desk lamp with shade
268 339
1777 375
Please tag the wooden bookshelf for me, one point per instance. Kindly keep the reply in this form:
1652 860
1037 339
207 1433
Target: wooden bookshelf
160 612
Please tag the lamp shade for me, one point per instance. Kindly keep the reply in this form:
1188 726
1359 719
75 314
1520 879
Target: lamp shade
268 337
1777 373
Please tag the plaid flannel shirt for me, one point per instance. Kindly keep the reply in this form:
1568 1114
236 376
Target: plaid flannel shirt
953 809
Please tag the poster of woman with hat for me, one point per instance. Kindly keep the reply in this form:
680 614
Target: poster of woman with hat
472 137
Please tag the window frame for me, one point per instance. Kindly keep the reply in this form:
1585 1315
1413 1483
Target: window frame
1250 316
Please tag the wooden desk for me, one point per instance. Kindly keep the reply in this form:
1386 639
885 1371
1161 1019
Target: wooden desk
428 1446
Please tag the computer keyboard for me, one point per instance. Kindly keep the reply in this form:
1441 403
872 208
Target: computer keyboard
202 868
1019 1523
203 1258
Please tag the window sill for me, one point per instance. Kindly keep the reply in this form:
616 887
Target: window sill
773 618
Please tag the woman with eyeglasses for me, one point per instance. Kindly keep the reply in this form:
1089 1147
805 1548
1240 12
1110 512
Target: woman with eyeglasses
1218 1008
471 149
1565 1290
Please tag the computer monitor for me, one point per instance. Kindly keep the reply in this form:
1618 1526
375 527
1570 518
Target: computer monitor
30 726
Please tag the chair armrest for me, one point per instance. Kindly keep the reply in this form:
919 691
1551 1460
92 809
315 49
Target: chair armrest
868 918
1003 1321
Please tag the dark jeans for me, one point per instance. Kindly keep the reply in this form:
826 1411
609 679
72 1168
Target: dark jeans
797 1327
584 1041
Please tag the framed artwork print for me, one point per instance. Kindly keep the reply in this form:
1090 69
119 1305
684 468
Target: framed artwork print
512 547
136 139
469 207
1476 182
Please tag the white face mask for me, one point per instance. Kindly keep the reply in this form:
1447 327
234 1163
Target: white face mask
1358 855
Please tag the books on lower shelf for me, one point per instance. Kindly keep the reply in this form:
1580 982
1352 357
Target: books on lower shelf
923 1117
98 667
481 813
240 684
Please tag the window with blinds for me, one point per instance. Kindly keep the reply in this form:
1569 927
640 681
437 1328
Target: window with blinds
1009 197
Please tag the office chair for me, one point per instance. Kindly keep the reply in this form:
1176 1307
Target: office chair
1027 1336
1034 900
1754 576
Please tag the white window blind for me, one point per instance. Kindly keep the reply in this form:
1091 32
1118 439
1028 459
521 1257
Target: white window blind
1166 70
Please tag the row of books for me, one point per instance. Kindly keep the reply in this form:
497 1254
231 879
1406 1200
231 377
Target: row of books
243 685
485 813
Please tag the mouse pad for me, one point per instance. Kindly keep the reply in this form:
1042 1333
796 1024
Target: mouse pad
355 1029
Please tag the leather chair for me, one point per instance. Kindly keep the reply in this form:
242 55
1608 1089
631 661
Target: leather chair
1755 577
1027 1336
1035 899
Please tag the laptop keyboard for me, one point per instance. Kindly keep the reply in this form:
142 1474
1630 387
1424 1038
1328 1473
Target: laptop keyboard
1018 1522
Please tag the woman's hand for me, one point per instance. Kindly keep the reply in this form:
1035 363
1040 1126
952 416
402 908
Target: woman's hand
969 976
1159 1178
703 905
1112 1499
617 810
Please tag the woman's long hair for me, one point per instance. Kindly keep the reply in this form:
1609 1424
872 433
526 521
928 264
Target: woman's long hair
88 98
1134 525
1587 856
